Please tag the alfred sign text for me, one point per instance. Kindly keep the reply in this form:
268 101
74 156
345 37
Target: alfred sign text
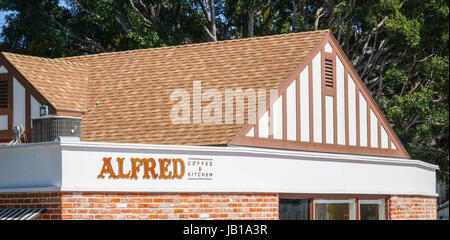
145 168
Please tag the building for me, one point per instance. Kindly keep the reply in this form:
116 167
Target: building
442 201
171 133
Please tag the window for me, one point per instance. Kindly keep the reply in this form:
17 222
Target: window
372 209
335 209
3 94
332 209
294 209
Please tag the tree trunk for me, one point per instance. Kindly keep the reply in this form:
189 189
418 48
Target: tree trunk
295 16
213 20
248 24
209 11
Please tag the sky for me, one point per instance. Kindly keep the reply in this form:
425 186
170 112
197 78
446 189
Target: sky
2 22
2 18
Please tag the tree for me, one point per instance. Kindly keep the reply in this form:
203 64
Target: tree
32 28
243 16
46 28
209 11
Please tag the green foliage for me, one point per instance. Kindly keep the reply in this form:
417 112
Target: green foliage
404 30
420 116
46 28
31 28
396 79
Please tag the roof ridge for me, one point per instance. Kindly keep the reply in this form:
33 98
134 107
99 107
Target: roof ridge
195 44
58 60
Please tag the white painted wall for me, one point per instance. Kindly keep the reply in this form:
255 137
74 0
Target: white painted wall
373 130
384 138
34 109
328 48
263 124
304 105
393 145
291 114
3 122
362 121
317 97
351 111
278 118
340 102
18 104
74 166
251 133
3 69
329 120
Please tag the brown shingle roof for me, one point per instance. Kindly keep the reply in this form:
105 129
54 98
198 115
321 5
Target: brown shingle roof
135 104
62 83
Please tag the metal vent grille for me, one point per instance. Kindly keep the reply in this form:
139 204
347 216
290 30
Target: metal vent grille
3 94
329 73
48 128
21 213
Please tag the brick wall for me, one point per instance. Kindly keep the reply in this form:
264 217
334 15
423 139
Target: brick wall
49 200
105 205
412 207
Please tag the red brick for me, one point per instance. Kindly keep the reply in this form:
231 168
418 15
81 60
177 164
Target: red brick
141 205
178 210
163 216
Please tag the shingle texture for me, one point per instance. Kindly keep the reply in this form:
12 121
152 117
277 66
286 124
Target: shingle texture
62 83
135 86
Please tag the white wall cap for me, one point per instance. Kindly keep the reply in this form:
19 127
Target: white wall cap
70 142
67 139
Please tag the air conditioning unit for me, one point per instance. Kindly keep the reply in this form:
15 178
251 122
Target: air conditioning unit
47 128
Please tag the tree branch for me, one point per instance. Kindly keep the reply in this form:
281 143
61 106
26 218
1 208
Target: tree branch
122 24
147 21
210 16
319 14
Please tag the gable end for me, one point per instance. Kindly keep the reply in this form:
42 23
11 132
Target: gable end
323 106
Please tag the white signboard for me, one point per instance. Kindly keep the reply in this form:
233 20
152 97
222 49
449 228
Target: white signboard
88 166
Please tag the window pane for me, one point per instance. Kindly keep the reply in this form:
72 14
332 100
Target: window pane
294 209
335 209
369 212
332 211
372 209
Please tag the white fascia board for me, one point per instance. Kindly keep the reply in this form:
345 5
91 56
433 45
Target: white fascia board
337 157
74 165
247 151
232 150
